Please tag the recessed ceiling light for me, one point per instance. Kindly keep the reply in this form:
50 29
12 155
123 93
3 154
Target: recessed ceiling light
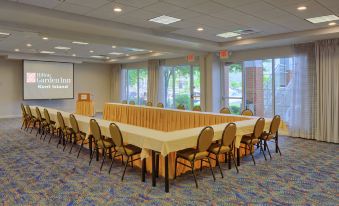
91 51
164 19
17 50
200 29
74 55
117 9
5 33
151 51
321 19
228 34
302 8
28 45
114 47
107 58
239 37
116 53
45 38
113 60
127 55
98 57
80 42
332 24
62 48
47 52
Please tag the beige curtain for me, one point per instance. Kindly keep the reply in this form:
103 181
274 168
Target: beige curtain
327 110
116 83
153 81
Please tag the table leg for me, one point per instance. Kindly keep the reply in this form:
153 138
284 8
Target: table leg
90 144
143 170
157 165
166 174
238 156
276 143
154 183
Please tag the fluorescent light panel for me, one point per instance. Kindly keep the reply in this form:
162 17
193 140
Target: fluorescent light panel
116 53
228 35
5 33
47 52
62 48
321 19
164 19
98 57
79 42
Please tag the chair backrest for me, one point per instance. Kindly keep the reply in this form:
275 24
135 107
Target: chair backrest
229 134
161 105
124 102
61 121
275 124
225 110
116 135
28 110
23 110
258 128
95 130
197 108
38 113
132 102
74 123
149 103
47 117
247 112
205 138
181 106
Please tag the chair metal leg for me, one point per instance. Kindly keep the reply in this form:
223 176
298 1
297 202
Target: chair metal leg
73 143
200 165
123 174
263 151
209 162
235 163
50 138
132 161
252 154
175 167
91 156
112 160
229 160
268 149
81 146
103 158
277 148
195 178
65 143
60 138
218 163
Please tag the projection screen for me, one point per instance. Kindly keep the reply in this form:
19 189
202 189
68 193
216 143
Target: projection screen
48 80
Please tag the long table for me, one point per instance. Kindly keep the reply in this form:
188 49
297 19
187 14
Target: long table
164 142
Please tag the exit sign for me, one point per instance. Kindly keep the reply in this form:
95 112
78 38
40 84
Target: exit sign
191 58
224 54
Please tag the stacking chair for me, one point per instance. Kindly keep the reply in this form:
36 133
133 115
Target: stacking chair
100 142
40 121
252 139
32 119
181 107
122 150
160 105
272 134
197 108
149 104
132 102
77 135
225 110
49 126
25 117
64 131
200 153
247 112
225 146
124 102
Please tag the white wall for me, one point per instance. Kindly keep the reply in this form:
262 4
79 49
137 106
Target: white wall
88 77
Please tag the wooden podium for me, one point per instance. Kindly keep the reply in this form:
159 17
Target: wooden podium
85 105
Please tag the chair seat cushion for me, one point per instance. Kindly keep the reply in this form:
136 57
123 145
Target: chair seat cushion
106 143
267 136
246 139
189 154
215 149
130 150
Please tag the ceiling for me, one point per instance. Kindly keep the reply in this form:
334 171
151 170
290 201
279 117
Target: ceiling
275 22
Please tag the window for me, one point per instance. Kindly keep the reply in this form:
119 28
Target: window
182 85
136 85
260 85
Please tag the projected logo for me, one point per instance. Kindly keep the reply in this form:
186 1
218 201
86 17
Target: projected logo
31 78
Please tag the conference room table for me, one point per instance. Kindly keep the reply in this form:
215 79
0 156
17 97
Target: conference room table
153 140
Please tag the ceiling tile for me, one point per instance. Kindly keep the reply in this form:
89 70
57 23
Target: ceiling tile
208 8
106 11
161 7
72 8
137 3
184 14
235 3
41 3
186 3
88 3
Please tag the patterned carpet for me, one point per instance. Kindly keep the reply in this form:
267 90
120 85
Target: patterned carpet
33 172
